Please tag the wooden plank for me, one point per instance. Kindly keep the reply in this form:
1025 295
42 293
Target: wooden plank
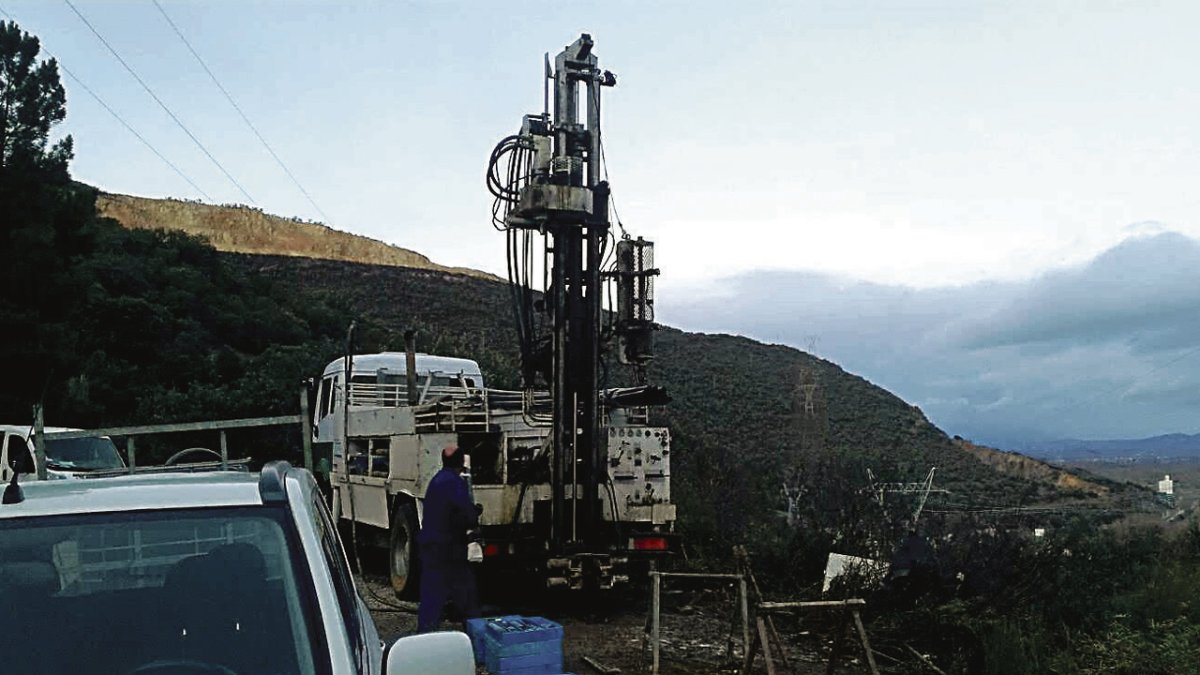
749 659
744 557
778 641
243 423
600 667
862 634
926 660
766 646
695 575
836 653
812 604
744 601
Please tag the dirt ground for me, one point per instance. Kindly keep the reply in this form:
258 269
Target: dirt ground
698 629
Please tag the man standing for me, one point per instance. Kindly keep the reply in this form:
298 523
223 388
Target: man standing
449 523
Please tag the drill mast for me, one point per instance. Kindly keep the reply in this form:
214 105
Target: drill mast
553 188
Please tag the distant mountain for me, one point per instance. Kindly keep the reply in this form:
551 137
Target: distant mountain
1168 446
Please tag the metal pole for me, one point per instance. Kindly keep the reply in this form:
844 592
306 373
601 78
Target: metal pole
654 621
305 429
39 440
558 292
224 452
575 469
131 450
348 363
410 367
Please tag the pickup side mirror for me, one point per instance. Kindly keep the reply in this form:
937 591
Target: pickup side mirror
446 653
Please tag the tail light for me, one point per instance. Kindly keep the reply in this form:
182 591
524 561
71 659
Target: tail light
490 550
648 543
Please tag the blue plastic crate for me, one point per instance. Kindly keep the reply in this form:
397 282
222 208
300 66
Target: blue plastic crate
477 629
536 670
546 662
515 630
523 646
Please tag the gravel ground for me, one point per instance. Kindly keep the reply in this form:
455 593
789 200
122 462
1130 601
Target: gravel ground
697 630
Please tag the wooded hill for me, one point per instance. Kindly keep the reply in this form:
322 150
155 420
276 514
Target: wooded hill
738 422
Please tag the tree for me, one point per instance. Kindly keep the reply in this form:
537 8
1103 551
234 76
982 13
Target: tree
45 224
32 102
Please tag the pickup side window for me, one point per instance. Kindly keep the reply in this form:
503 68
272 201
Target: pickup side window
18 454
326 391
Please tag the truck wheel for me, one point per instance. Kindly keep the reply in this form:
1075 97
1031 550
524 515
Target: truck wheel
402 561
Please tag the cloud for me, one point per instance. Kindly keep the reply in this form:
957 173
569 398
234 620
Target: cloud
1104 349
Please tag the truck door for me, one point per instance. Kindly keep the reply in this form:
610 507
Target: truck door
16 456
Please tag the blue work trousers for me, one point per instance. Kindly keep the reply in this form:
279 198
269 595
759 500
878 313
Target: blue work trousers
446 576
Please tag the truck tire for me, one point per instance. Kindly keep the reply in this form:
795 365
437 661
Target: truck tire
402 551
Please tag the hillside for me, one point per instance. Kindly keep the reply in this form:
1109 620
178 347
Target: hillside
242 229
732 395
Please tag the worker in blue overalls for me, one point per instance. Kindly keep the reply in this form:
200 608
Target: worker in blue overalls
449 523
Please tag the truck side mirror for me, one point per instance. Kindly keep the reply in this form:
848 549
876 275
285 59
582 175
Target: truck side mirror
446 653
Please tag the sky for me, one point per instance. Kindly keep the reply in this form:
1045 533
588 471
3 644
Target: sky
808 170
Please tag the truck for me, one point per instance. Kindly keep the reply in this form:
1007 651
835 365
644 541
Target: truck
68 455
387 445
571 477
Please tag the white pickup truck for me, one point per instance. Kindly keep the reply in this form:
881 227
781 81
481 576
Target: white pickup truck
65 457
214 573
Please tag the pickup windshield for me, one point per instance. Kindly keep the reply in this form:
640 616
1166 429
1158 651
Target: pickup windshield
175 592
83 454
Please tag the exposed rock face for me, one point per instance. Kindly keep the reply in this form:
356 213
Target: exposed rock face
244 229
1028 468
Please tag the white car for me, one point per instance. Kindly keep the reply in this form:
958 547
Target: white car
220 573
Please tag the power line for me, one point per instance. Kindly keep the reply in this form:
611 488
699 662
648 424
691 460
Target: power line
238 108
118 117
133 131
159 101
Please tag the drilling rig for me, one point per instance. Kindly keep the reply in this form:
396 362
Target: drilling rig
571 479
553 189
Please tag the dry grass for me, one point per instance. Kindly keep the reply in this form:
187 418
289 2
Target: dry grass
242 229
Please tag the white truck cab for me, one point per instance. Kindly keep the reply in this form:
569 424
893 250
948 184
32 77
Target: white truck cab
65 457
380 381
